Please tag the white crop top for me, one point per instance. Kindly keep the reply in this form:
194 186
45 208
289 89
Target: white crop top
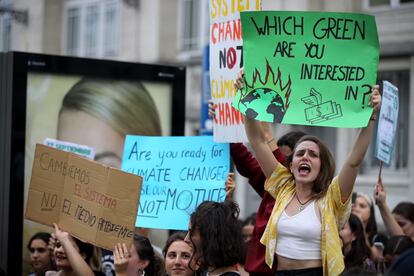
299 236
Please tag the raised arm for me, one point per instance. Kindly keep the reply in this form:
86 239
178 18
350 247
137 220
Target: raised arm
246 164
249 167
390 223
258 137
349 170
78 264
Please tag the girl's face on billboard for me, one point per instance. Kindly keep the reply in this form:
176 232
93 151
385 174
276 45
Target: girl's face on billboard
81 128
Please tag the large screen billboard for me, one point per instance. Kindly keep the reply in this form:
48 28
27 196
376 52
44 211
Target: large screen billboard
84 101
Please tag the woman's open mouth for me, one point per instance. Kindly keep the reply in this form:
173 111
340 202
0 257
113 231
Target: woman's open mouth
304 169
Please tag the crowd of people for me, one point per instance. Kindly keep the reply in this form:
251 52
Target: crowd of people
309 221
218 243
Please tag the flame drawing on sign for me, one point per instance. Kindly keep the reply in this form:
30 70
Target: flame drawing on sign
279 99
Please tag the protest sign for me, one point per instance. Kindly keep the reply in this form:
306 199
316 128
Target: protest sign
92 202
387 123
178 174
226 59
308 68
82 150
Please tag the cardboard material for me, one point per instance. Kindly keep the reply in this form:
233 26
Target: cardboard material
179 173
387 123
225 60
93 202
308 68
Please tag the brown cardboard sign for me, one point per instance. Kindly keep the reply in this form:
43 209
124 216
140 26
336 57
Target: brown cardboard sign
92 202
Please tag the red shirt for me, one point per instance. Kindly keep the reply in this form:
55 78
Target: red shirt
248 167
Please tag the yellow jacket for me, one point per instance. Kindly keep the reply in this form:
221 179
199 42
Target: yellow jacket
334 214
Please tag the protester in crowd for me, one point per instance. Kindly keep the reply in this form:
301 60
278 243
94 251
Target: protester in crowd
363 207
248 167
305 196
395 247
105 111
404 265
96 260
177 255
379 241
216 239
41 258
403 213
143 231
287 142
71 255
401 220
248 227
354 246
139 260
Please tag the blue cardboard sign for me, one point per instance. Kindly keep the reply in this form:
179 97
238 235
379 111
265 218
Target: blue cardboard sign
178 174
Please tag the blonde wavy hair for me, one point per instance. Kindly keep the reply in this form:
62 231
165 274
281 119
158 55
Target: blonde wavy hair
126 106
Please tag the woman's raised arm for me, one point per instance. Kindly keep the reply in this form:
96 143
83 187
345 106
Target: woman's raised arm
257 139
258 135
78 264
390 223
349 170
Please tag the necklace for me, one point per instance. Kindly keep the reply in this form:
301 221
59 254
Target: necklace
302 205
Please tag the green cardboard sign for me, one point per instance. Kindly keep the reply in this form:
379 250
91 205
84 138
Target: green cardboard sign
308 68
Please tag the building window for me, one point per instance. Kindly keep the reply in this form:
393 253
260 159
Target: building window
92 28
111 26
374 3
390 3
399 161
72 31
194 25
191 25
5 32
5 26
